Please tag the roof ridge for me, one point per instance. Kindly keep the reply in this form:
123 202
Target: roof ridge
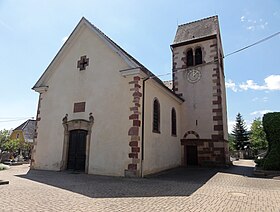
214 16
20 127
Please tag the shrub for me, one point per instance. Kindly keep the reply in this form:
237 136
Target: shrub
271 125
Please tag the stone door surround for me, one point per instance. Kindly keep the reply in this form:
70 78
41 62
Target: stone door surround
76 124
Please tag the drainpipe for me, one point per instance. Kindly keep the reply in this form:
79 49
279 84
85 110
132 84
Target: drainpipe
142 125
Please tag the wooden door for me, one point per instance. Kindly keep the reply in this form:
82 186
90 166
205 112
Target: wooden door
77 150
191 155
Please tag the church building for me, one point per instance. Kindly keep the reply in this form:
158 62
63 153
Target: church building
100 111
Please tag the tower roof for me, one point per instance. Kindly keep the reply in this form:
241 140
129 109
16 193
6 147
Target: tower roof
196 30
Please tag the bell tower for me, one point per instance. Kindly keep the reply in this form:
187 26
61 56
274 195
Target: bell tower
198 77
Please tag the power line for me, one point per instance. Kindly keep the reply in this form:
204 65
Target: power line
258 42
15 119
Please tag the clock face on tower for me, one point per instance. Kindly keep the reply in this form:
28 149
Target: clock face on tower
193 75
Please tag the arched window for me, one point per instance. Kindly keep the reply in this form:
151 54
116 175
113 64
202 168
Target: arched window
156 116
189 58
173 122
198 56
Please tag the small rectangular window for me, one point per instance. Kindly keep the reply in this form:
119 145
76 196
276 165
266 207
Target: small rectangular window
79 107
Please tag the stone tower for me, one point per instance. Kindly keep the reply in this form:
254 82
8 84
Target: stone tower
198 77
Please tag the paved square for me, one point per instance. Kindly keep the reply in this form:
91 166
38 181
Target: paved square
189 189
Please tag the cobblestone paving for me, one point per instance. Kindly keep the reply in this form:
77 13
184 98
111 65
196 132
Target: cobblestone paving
192 189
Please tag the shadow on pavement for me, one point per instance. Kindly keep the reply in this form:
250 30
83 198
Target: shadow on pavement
176 182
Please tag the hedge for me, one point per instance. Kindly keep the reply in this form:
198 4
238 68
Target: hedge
271 125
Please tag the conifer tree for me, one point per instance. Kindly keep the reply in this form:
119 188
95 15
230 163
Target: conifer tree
240 133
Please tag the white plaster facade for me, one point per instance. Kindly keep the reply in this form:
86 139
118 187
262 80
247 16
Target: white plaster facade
113 87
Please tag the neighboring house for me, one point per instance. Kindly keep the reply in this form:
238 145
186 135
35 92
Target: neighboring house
25 131
102 112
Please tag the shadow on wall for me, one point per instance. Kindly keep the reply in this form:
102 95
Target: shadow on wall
175 182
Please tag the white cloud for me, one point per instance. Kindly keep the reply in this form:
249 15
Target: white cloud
272 82
231 85
250 84
252 25
260 112
64 39
251 28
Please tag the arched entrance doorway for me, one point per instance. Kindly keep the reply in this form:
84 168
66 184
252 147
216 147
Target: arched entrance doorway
77 150
76 144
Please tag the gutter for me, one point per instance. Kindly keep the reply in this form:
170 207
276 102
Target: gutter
142 125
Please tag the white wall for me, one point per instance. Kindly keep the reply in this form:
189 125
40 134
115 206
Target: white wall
199 95
161 150
107 96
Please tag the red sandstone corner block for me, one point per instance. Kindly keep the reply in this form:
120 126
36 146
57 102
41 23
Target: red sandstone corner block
218 127
133 143
137 86
133 155
133 131
136 123
132 166
135 149
133 116
137 94
137 78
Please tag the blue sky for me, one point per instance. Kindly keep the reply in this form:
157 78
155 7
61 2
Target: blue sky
32 32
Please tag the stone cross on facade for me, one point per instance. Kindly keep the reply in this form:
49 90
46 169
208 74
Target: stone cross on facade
83 62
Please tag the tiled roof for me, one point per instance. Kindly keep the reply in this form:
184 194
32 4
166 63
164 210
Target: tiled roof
20 127
28 128
197 29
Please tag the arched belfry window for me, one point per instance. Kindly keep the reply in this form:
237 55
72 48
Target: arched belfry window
173 122
156 116
189 58
198 56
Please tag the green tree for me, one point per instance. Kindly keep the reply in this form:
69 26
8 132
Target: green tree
12 145
4 137
240 133
257 136
231 142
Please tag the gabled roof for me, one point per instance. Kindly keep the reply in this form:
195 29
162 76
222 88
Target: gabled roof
131 61
21 127
28 128
196 30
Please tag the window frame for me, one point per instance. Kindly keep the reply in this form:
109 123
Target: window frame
173 122
156 115
196 56
189 57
